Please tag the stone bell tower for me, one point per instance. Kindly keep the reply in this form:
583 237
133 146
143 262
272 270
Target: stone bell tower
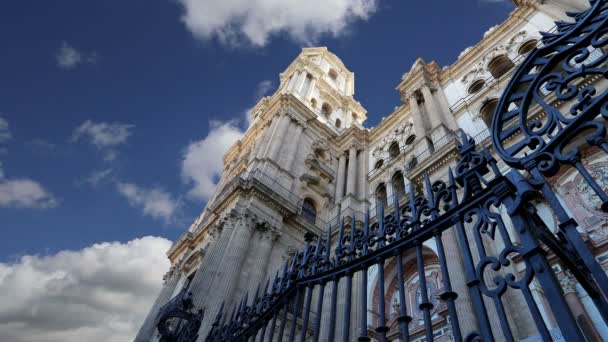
279 184
420 89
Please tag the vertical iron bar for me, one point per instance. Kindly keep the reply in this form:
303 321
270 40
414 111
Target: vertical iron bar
294 315
448 295
306 313
403 319
283 321
568 226
363 323
347 300
272 325
544 273
425 306
381 329
473 285
317 328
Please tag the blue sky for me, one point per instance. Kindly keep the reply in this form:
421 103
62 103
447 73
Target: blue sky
114 116
140 65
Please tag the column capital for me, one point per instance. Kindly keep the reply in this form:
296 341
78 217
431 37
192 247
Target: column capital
568 283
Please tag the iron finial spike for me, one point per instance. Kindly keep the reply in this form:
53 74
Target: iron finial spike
267 285
429 188
328 243
451 176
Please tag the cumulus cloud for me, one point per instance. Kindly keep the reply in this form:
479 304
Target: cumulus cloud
255 21
69 57
25 193
5 133
103 135
154 202
98 294
202 160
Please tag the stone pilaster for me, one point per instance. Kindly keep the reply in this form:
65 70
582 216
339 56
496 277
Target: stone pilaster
340 177
464 305
311 87
207 271
294 145
232 262
266 135
351 179
276 142
261 256
300 82
417 119
362 175
293 81
148 328
433 110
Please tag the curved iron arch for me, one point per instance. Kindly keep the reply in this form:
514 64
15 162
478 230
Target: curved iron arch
557 68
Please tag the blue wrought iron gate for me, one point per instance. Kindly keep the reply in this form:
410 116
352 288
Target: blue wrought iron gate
475 202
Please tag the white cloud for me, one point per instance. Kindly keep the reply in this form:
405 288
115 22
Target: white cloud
96 177
98 294
263 88
255 21
68 57
5 133
25 193
202 161
154 202
105 136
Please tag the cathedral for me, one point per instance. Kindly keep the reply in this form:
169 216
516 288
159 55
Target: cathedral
308 174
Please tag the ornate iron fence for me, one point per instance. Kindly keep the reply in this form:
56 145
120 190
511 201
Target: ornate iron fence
489 216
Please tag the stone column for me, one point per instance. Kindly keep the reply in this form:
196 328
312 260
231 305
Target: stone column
340 178
266 135
300 82
362 175
433 110
232 262
419 126
294 146
207 271
261 257
276 141
464 305
351 179
311 87
293 81
568 284
148 328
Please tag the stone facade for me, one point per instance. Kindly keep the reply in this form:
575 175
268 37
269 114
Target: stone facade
306 158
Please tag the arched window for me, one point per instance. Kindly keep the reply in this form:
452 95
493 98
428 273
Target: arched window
487 111
526 47
313 103
326 109
381 199
410 140
379 164
476 86
309 212
393 150
333 74
398 183
338 123
499 66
